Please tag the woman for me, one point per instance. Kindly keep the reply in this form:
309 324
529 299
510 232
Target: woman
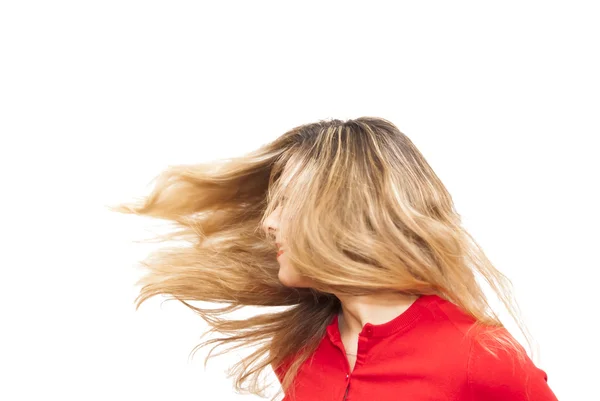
347 225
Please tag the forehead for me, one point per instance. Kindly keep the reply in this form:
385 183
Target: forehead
288 173
289 168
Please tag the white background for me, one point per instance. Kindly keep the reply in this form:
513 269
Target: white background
97 97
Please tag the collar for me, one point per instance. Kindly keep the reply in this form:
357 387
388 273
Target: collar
400 322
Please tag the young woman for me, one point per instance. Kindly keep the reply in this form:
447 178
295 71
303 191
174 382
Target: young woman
346 225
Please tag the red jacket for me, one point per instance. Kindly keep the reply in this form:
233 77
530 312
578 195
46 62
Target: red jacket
423 354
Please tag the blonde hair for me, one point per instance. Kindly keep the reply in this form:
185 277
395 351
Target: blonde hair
366 214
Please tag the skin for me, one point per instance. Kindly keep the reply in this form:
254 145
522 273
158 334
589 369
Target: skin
356 310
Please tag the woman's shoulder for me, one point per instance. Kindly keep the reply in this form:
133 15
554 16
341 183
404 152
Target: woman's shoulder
500 369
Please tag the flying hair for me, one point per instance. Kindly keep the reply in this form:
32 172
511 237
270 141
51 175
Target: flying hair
362 213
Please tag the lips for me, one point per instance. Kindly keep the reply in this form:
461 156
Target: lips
279 253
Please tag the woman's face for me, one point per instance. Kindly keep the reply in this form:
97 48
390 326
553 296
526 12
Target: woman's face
288 276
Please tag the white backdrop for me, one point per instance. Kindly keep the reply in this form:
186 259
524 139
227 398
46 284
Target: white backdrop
97 97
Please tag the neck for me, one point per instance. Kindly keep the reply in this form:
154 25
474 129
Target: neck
375 309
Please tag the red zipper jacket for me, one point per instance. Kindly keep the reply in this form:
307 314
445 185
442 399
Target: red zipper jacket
422 354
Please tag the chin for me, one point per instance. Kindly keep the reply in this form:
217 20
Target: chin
289 279
285 279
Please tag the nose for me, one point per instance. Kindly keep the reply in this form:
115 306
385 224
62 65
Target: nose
271 223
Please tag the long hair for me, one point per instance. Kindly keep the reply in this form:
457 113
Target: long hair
362 212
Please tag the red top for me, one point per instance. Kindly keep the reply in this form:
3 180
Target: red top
422 354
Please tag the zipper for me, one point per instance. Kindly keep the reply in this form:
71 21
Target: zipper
347 386
346 393
343 351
